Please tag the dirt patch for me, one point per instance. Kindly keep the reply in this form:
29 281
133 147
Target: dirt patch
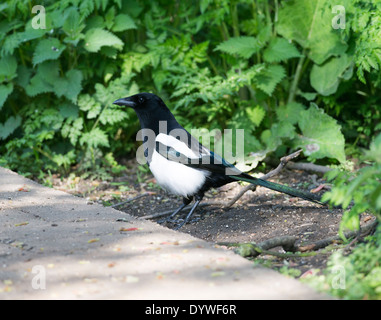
257 216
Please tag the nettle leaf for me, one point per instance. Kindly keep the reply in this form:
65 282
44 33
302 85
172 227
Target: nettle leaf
11 42
42 82
73 24
5 91
47 49
30 33
48 79
74 84
280 49
321 135
96 38
123 22
269 77
9 126
8 67
68 110
245 47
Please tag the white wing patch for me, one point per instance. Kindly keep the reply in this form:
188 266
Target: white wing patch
178 145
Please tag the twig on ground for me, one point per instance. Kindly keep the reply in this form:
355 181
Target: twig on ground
288 244
130 199
253 250
364 231
305 166
282 164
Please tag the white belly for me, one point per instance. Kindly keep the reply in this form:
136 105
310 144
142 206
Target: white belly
176 177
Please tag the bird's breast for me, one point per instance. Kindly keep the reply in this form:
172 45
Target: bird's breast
175 177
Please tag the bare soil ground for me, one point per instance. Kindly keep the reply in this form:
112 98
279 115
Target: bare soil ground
257 216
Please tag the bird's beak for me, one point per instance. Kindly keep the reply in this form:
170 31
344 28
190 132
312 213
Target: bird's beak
125 102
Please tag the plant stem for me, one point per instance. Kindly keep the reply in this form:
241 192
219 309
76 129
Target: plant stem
234 14
43 153
298 73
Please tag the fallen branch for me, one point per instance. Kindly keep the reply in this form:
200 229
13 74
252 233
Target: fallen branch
364 231
282 164
252 249
308 167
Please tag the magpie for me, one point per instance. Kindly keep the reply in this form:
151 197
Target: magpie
182 165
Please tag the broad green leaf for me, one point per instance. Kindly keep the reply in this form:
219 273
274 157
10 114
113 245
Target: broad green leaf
23 75
74 79
375 198
30 33
290 112
48 49
97 38
274 137
45 78
10 43
9 126
309 24
255 114
68 110
123 22
325 79
5 91
8 66
48 79
69 85
280 49
321 135
245 47
374 153
73 24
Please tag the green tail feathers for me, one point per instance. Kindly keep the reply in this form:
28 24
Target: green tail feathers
279 187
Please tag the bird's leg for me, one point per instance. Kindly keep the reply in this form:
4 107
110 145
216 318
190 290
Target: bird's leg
198 199
186 201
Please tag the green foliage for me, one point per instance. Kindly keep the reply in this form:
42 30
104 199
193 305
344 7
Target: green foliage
321 135
356 276
276 69
47 49
244 47
252 65
97 38
280 49
363 188
325 79
308 23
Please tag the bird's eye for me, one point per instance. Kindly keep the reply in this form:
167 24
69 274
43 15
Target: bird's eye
141 100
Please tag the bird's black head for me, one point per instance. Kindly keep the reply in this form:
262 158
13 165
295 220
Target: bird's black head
150 110
138 101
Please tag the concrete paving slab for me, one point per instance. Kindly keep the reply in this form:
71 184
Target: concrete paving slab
57 246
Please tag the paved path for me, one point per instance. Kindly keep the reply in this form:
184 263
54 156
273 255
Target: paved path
56 246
